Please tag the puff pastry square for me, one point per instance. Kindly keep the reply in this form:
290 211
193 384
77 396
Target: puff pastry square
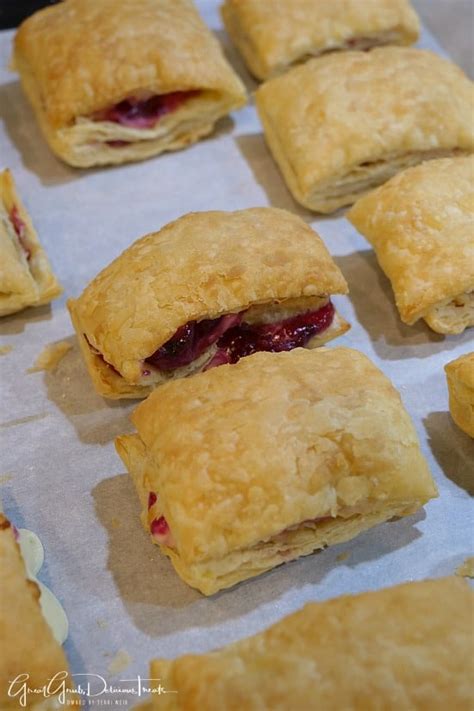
245 467
460 377
274 34
345 123
113 81
26 277
205 290
407 647
27 645
421 225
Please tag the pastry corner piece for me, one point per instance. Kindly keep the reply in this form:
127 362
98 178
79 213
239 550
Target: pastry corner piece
460 377
122 80
207 289
27 645
405 647
345 123
421 225
272 35
245 467
26 277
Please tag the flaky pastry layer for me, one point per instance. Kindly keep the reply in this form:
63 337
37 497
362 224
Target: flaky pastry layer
201 266
27 645
236 501
460 377
80 57
26 277
393 107
273 34
420 224
406 647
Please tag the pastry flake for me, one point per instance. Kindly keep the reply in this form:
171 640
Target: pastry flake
421 225
460 377
245 467
345 123
26 277
27 645
274 34
122 80
205 290
406 647
51 356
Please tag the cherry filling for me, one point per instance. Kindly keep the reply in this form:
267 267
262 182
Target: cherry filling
236 339
136 113
160 530
190 341
20 228
284 335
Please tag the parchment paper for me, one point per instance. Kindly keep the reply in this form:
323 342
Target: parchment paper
59 474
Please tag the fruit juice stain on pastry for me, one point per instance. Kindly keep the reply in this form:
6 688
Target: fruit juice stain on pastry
33 555
236 339
20 230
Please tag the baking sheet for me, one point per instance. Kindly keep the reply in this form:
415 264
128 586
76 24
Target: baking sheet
59 474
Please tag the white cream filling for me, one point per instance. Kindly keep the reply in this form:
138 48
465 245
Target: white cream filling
33 555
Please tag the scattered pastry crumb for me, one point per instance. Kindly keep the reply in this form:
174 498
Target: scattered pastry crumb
50 356
115 522
5 478
102 624
120 662
466 569
342 557
5 349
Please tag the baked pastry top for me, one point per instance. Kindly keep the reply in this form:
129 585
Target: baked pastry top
27 645
26 277
93 71
421 225
344 123
460 377
259 265
244 467
407 647
274 34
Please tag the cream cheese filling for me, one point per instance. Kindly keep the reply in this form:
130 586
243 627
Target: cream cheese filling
33 555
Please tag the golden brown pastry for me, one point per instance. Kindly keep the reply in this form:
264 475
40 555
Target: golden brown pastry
113 81
205 290
403 648
274 34
460 377
26 278
421 225
249 466
342 124
27 645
